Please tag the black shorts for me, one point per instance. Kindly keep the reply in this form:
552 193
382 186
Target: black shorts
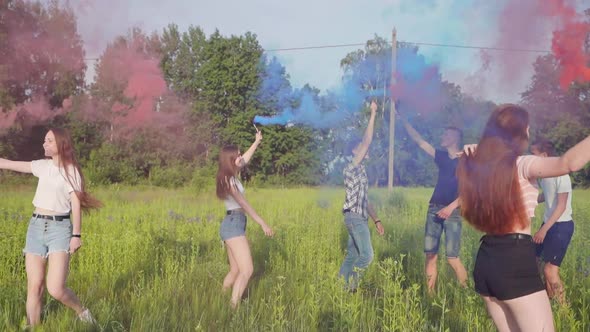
506 267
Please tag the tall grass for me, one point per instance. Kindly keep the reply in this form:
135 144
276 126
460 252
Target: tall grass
152 260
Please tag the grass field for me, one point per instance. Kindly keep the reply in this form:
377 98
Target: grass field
152 260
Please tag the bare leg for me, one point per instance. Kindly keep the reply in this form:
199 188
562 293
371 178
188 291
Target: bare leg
532 312
500 314
35 267
431 272
57 273
232 275
554 285
459 269
241 253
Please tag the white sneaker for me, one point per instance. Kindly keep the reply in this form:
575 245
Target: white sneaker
86 317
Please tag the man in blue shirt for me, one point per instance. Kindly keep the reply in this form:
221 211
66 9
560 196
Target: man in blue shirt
443 214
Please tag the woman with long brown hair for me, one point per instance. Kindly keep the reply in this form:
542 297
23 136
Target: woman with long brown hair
55 229
498 193
233 226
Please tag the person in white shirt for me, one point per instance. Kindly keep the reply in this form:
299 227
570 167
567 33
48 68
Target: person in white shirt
555 234
233 227
54 231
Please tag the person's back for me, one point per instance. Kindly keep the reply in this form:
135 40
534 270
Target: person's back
497 190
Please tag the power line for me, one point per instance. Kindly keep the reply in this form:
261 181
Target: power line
313 47
487 48
503 49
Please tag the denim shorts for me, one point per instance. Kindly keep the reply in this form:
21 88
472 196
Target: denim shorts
556 241
46 236
435 227
233 225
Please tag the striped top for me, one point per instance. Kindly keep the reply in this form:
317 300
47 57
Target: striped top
528 185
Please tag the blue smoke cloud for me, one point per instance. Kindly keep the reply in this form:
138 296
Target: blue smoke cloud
418 87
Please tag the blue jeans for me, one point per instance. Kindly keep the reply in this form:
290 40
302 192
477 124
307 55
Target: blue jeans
359 250
435 227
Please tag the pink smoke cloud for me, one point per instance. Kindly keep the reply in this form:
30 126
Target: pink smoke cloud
568 42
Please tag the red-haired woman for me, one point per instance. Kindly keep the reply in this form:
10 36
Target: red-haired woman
55 229
233 226
498 193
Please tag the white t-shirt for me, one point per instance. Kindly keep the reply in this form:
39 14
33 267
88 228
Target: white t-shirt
230 202
552 187
53 189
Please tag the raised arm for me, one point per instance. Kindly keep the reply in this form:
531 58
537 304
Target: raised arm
17 166
367 138
241 200
248 154
416 137
573 160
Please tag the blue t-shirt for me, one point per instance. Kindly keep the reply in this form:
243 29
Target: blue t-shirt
447 186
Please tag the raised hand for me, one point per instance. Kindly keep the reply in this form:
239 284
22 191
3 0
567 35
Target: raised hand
374 107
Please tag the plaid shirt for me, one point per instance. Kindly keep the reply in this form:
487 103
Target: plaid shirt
357 188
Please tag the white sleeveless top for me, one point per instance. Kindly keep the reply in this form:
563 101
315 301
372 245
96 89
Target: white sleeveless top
229 201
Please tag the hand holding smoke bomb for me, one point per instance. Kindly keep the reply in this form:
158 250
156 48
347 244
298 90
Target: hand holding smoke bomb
258 133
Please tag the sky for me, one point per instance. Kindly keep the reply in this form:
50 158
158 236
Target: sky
287 24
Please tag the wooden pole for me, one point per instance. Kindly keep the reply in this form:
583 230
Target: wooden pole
392 110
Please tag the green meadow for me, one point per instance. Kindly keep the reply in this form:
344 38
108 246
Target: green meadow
152 260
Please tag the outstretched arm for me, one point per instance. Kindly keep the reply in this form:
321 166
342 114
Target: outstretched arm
248 154
573 160
17 166
416 137
367 138
241 200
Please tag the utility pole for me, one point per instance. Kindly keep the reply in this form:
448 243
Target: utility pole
392 110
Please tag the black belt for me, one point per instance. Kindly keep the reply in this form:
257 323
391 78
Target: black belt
511 236
230 212
55 218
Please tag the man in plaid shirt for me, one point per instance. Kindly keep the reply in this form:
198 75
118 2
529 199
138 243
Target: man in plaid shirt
357 209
